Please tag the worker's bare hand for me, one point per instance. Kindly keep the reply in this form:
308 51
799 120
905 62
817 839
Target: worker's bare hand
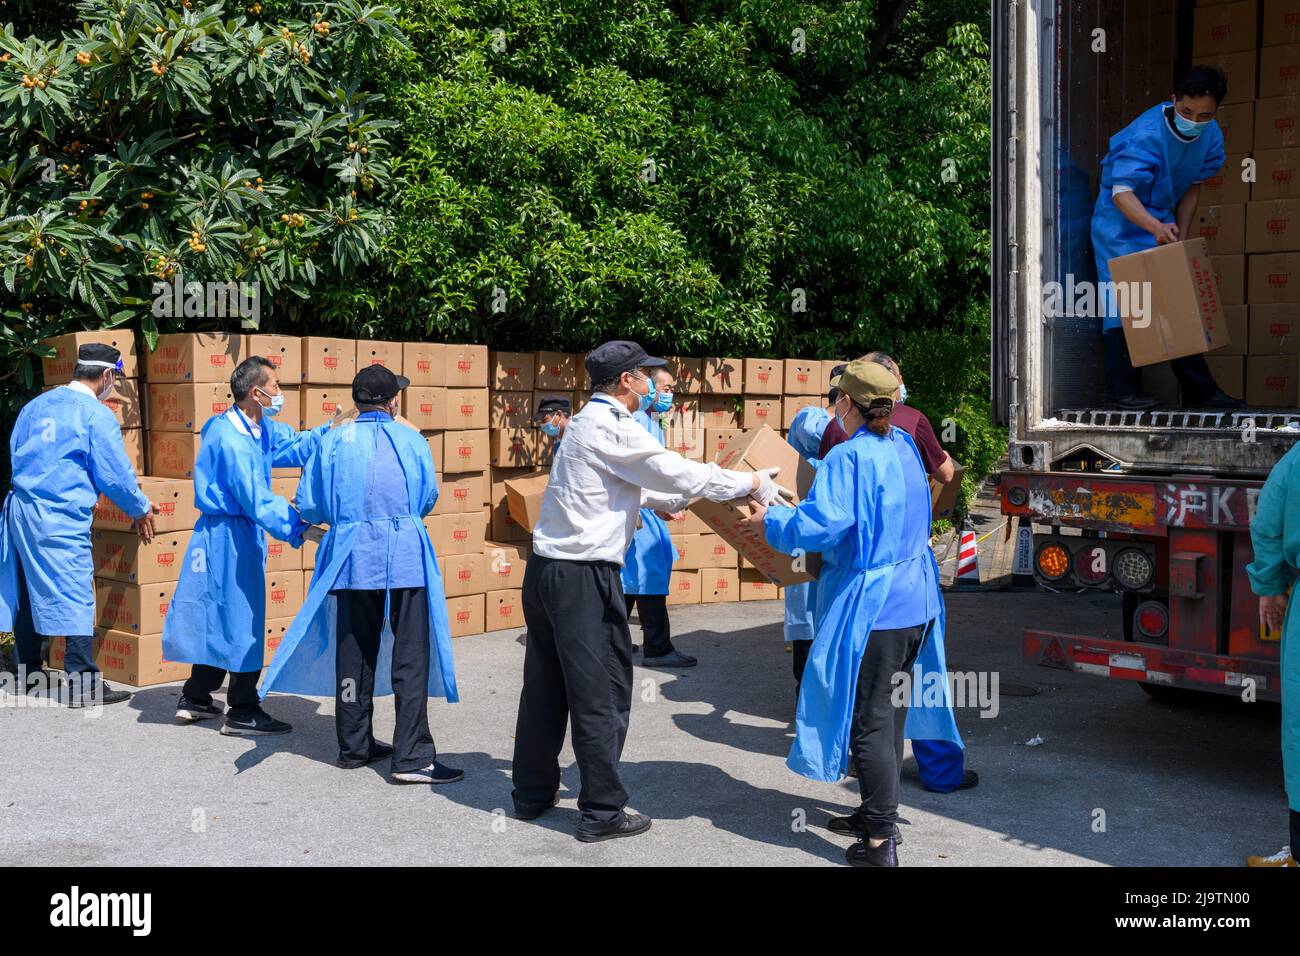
1166 232
757 512
665 516
143 525
1272 611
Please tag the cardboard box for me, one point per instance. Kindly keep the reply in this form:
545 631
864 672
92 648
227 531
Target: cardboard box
684 413
1277 174
555 371
1176 287
172 454
761 411
459 493
425 407
174 498
755 587
1239 69
510 409
513 447
1226 187
803 377
943 498
466 451
506 562
130 659
466 615
686 372
686 441
195 357
292 411
719 411
719 585
424 363
467 367
1274 277
461 533
387 354
698 551
1237 121
687 549
792 405
186 408
1279 71
1277 122
505 610
320 403
1271 381
1281 22
57 369
282 351
1274 329
1229 373
752 450
273 637
502 527
124 402
683 588
467 408
308 552
513 371
716 439
122 556
1224 28
133 443
437 451
1222 227
1235 319
464 574
764 376
1230 273
282 556
132 608
686 522
722 376
327 361
284 593
1273 225
524 499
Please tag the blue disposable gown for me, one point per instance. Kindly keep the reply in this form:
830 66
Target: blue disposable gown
334 489
66 450
1275 536
850 515
1160 167
806 437
648 563
218 615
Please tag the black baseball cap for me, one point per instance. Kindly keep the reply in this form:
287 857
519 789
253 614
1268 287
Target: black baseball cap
96 354
376 385
551 405
612 359
836 372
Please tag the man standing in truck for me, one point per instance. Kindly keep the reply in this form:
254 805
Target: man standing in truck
1150 184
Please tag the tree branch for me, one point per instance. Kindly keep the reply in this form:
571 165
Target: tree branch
890 14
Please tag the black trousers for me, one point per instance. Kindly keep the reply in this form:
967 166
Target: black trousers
241 698
799 659
653 610
1192 371
360 623
1295 835
577 670
876 735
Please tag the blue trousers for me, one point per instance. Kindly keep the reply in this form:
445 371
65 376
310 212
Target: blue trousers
941 764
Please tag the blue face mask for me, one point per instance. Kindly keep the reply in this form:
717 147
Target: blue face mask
277 403
663 402
550 429
1188 127
902 393
650 397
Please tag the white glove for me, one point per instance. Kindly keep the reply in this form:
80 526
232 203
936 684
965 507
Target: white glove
769 492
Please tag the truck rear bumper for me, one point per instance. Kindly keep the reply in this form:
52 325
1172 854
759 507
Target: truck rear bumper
1151 663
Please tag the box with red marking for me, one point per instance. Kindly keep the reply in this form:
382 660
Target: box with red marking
195 357
122 556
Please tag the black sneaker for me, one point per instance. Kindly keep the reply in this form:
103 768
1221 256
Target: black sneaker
377 752
435 773
625 825
100 694
1219 399
531 811
257 724
188 710
863 853
1137 402
671 659
969 779
853 826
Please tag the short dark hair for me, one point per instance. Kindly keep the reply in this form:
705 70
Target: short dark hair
1202 81
609 385
87 373
248 375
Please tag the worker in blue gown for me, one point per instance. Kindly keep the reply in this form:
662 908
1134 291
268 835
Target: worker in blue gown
217 619
66 450
648 563
374 621
805 436
1275 537
878 612
1150 185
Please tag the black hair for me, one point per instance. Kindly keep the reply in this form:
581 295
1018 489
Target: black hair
88 373
249 374
610 385
1202 81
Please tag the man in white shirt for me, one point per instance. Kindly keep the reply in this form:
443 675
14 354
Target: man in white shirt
578 663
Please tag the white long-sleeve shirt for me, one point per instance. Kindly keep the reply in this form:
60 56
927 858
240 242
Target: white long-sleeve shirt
606 469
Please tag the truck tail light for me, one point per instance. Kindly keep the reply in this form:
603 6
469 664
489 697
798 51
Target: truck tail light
1134 569
1151 620
1092 564
1052 561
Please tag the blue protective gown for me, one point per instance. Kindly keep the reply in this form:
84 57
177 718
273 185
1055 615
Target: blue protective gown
805 437
337 489
1160 166
851 515
648 563
1275 536
66 450
218 615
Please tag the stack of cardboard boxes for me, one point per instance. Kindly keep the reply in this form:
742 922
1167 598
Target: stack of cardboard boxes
1249 214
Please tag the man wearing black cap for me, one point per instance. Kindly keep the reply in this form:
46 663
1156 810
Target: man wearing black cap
371 482
552 417
578 662
66 450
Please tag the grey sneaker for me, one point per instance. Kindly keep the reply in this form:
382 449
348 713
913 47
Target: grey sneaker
187 711
671 659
